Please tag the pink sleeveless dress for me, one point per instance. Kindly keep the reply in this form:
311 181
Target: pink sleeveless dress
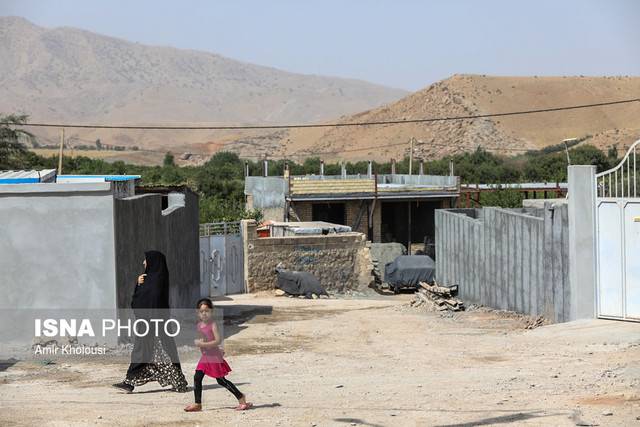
211 362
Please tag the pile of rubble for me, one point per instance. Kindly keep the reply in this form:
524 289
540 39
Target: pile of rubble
438 298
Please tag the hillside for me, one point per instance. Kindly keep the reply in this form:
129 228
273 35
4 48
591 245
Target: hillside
71 75
463 95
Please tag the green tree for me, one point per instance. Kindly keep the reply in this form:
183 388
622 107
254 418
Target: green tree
169 160
503 198
612 154
12 151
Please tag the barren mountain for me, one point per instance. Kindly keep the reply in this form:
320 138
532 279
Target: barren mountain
464 95
71 75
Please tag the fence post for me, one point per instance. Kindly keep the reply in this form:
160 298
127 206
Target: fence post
582 241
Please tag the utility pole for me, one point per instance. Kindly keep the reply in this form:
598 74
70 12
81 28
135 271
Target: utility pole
60 153
566 148
411 157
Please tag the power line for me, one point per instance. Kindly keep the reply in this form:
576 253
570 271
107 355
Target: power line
327 125
312 153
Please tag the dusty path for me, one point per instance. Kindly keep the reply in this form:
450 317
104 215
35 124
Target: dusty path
363 362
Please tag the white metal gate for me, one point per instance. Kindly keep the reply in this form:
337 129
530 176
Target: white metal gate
618 240
221 259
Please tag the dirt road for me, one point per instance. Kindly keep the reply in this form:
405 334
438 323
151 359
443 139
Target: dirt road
373 362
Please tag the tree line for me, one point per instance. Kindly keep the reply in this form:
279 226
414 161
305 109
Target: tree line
220 181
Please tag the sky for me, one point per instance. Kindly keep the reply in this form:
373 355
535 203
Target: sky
406 44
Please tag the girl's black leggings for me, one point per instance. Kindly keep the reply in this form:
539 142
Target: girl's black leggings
197 386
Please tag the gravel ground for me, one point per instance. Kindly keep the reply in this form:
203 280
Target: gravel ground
361 361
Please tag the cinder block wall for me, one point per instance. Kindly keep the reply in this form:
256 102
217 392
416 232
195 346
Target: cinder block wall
352 208
303 210
340 261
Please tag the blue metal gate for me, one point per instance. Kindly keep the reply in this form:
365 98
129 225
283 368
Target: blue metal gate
221 259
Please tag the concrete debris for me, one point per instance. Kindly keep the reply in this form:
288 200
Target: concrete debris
438 298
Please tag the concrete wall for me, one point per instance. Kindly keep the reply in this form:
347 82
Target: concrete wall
507 259
340 261
582 250
268 195
57 246
141 225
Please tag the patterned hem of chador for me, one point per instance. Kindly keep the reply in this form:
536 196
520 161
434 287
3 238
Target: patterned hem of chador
213 369
161 370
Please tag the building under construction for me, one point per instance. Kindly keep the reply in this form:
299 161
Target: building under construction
386 208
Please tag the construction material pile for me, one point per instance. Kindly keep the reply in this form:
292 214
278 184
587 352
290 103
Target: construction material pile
438 298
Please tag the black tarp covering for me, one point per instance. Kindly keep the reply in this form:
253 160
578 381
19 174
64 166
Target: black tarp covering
299 283
410 270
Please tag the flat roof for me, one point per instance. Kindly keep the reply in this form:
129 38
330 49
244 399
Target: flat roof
521 185
97 178
50 187
395 195
26 176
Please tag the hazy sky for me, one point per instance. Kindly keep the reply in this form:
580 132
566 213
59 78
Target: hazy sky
403 43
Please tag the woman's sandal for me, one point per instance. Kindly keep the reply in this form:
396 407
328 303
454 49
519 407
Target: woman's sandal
194 407
244 406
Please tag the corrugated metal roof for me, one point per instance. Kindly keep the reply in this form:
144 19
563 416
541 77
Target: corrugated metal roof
26 176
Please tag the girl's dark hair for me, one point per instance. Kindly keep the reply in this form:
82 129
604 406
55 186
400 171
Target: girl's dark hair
205 301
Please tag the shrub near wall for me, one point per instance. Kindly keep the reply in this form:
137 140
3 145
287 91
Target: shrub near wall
340 261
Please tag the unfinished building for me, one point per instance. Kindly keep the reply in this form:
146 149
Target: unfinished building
386 208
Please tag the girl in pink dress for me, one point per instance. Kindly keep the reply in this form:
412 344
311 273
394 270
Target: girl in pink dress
212 362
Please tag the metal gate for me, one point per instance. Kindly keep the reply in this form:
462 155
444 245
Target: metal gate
618 240
221 259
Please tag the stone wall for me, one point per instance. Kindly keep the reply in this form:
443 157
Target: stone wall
340 261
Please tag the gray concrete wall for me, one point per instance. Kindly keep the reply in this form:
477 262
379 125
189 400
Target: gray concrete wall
141 225
582 250
507 259
57 246
268 195
539 203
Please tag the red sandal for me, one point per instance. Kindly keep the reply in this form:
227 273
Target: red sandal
194 407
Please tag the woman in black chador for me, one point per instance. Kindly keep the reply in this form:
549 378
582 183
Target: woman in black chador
154 358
